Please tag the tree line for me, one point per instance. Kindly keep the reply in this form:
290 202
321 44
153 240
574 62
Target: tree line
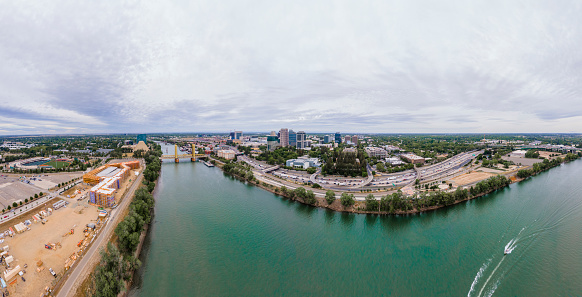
241 170
546 164
117 262
397 202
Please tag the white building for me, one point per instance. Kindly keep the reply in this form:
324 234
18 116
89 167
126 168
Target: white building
303 162
376 152
394 161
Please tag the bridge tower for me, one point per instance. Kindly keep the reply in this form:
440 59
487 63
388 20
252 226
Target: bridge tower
176 159
193 159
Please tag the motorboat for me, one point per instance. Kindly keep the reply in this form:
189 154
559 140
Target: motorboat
507 251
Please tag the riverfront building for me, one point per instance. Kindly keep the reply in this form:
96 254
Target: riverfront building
226 154
107 179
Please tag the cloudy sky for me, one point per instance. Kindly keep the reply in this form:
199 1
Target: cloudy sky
319 66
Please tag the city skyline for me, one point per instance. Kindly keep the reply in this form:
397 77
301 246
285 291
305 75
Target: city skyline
394 67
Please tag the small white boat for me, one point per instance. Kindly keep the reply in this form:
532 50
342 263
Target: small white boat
507 251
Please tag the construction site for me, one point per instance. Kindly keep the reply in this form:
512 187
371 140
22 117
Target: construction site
38 247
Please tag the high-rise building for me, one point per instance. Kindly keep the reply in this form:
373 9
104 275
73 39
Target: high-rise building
347 138
272 142
301 140
292 138
355 139
284 137
338 137
141 137
236 135
326 139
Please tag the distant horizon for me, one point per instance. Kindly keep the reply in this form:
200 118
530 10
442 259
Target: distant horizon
307 132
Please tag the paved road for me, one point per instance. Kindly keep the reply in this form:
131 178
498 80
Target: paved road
99 241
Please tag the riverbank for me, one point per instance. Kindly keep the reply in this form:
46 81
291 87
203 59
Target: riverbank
115 271
361 207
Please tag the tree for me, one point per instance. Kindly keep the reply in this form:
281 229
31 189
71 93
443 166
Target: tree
14 204
330 196
371 203
347 199
107 279
381 167
310 197
40 194
311 170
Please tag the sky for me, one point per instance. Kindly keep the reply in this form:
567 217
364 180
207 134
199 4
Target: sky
319 66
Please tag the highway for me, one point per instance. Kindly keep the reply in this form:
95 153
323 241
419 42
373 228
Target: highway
103 237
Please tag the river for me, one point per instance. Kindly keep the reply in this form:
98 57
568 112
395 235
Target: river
216 236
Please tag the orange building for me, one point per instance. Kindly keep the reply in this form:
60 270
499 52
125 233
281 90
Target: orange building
107 179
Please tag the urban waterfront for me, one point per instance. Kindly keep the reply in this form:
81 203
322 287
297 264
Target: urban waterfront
216 236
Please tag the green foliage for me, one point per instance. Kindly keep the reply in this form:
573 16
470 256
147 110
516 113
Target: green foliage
346 164
532 154
545 165
381 167
14 204
311 170
280 155
330 196
109 274
138 154
371 203
347 199
239 169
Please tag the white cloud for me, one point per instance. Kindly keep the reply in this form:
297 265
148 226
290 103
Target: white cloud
390 66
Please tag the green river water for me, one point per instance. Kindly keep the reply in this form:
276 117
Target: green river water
216 236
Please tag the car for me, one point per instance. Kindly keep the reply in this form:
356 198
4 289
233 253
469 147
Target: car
52 272
5 216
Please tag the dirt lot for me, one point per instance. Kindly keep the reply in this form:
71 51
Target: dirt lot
470 178
28 247
546 155
522 161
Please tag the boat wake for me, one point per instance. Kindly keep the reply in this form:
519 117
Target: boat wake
511 245
478 277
